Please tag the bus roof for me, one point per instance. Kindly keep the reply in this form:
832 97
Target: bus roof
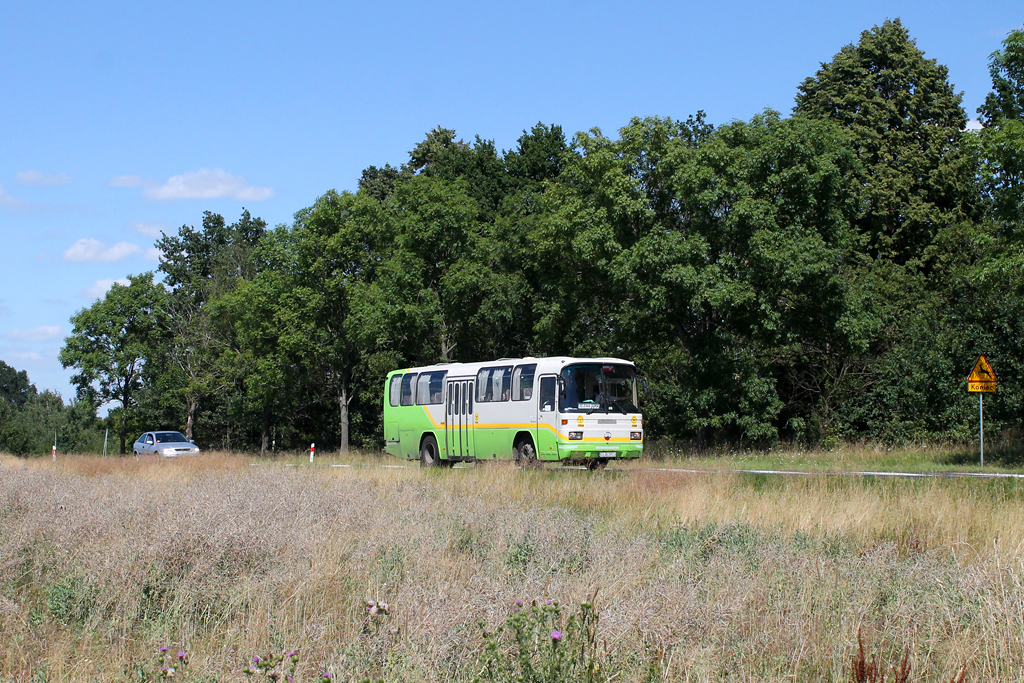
552 362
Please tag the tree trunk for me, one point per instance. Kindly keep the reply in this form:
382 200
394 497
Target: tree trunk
343 401
192 403
447 346
266 431
124 424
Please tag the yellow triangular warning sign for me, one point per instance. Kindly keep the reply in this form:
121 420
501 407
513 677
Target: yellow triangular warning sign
982 377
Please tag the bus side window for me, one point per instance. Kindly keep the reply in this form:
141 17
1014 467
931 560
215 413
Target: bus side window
407 385
428 388
506 382
493 384
437 386
483 383
522 382
423 389
395 390
547 394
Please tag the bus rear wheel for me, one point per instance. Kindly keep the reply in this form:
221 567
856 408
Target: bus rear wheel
597 464
429 456
526 455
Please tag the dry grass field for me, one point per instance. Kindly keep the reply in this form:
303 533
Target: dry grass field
711 577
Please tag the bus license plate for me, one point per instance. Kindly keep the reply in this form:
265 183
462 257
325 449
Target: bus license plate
607 454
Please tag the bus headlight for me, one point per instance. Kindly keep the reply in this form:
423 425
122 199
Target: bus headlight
575 436
636 436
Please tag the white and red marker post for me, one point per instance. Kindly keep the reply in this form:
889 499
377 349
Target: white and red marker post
312 450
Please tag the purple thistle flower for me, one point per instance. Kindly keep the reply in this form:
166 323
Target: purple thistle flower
181 655
519 603
164 648
548 602
556 636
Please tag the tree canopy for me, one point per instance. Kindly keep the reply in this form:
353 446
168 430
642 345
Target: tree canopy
826 276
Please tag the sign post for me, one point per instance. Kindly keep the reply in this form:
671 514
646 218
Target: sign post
981 381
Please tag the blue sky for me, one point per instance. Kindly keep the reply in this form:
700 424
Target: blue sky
121 119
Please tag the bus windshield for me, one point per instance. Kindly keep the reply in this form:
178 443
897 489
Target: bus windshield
594 387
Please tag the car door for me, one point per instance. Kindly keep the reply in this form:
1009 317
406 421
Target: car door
151 443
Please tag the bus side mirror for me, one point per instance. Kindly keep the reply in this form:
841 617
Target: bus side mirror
561 386
647 387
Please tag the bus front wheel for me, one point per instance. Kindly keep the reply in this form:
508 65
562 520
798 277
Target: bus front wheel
526 455
429 457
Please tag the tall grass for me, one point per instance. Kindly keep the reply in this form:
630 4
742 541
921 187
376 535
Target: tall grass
699 577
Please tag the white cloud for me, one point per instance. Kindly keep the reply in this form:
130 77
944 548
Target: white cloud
149 229
129 181
153 254
973 124
40 178
100 287
9 202
88 249
207 184
36 334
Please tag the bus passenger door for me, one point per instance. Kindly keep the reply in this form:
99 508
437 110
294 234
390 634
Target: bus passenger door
547 422
459 419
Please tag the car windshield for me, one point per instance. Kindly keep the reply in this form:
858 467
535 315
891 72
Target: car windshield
598 387
170 437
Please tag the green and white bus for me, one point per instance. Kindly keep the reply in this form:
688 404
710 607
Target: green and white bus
571 410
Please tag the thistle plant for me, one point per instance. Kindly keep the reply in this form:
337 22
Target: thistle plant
376 612
276 667
169 663
540 644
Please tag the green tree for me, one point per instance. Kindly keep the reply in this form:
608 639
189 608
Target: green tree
15 389
200 265
905 122
309 299
111 341
1006 66
714 258
1002 138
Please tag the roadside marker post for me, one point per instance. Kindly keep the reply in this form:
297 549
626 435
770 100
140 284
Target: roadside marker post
981 381
55 446
312 449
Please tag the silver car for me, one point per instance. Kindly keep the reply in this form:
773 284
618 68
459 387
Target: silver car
166 444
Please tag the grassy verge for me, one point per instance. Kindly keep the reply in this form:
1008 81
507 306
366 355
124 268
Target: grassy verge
697 578
1006 455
